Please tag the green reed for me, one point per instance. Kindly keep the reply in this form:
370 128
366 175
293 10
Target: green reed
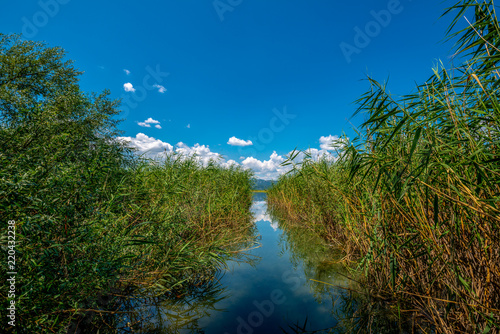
413 200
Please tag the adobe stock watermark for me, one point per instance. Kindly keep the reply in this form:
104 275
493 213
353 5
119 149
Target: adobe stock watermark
223 6
137 94
266 135
12 272
49 9
265 308
363 36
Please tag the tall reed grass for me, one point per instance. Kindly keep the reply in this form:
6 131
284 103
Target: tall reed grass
414 199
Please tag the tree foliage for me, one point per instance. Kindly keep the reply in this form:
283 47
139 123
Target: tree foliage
92 218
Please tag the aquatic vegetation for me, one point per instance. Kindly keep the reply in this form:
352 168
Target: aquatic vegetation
413 200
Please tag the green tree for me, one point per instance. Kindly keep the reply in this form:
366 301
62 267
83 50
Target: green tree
58 163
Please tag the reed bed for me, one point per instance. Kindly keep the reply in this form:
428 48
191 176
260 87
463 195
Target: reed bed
413 200
94 222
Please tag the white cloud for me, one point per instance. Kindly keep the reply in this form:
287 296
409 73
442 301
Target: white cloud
202 152
271 169
147 123
161 89
188 126
316 154
233 141
128 87
229 163
326 142
127 72
148 145
152 121
267 169
155 148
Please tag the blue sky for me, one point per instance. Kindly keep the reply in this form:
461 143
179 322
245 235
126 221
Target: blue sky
280 74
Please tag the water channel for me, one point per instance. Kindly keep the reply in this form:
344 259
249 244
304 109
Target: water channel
274 290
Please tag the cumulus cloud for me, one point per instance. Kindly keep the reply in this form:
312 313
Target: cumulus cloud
127 72
267 169
155 148
188 126
161 89
202 152
271 169
153 121
233 141
326 143
229 163
147 123
128 87
315 154
148 145
328 147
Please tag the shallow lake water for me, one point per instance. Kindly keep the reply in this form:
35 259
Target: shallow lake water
272 291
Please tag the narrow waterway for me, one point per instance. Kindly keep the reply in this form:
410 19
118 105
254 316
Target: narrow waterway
274 290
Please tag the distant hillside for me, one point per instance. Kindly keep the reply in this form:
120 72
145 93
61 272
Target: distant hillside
261 184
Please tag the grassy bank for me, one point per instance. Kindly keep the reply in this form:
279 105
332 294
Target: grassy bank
92 220
413 201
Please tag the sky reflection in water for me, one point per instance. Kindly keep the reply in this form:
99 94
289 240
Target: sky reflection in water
272 290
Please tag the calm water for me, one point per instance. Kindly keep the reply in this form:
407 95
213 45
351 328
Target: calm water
269 292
